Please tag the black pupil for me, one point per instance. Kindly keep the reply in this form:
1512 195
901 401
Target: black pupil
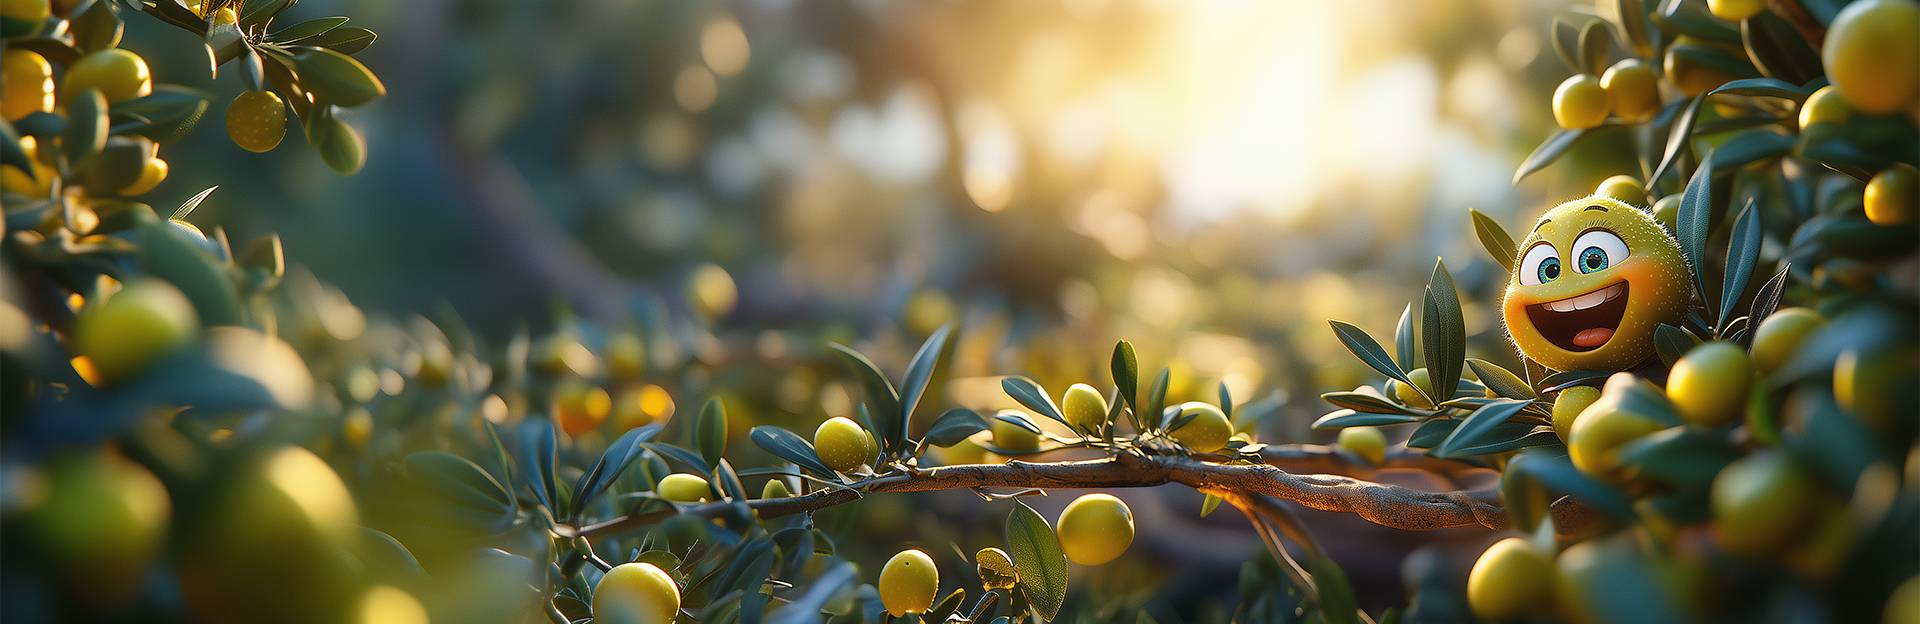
1593 261
1552 271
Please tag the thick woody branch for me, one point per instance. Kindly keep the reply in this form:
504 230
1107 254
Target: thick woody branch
1386 505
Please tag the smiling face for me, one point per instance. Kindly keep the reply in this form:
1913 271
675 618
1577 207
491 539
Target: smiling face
1595 277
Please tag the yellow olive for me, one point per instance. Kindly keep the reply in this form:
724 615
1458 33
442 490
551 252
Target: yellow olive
1012 437
257 121
1826 105
774 488
1872 54
843 444
1095 529
1709 384
1208 431
1780 335
1760 504
1567 407
1084 407
119 75
27 79
1625 188
1667 212
579 408
147 319
681 487
1633 91
909 583
1510 580
102 515
636 593
1601 429
1367 442
1892 195
1410 394
1579 103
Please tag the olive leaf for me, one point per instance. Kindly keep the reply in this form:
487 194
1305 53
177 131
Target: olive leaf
710 431
1038 558
1444 331
1743 251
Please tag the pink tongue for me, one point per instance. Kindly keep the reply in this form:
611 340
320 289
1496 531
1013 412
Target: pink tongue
1592 337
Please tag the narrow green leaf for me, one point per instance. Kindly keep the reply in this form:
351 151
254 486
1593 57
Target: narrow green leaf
1494 239
1341 419
1208 504
1476 430
1679 137
1695 221
1444 331
1502 381
86 132
1363 402
306 30
1767 299
1364 347
1556 145
256 12
1403 339
789 446
919 374
1156 398
1126 375
1596 43
711 431
1553 470
336 78
878 394
1743 251
1751 147
169 253
1763 87
1337 604
954 426
1029 393
346 40
467 493
1037 556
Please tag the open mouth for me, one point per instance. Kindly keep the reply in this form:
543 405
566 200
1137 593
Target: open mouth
1583 322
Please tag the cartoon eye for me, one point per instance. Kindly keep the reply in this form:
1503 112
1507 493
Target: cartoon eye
1597 250
1540 265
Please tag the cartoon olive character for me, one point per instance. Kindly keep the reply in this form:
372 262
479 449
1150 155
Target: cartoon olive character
1595 277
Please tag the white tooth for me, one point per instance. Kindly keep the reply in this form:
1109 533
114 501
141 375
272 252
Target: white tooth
1589 300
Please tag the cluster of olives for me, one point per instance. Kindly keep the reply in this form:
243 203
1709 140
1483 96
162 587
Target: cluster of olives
1869 56
256 120
1767 506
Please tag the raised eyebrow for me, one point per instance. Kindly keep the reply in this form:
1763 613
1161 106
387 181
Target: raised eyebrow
1597 207
1536 226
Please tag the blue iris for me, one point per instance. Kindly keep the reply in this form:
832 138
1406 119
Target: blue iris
1593 259
1550 268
